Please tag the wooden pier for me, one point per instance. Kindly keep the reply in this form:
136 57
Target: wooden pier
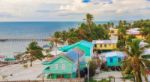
21 39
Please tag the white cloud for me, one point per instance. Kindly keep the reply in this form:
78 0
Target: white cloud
56 9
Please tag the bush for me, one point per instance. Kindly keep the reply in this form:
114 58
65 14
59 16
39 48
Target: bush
128 76
92 67
25 66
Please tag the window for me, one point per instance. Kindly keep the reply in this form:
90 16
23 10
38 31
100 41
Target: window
63 67
119 59
49 67
95 45
105 45
111 60
56 66
100 45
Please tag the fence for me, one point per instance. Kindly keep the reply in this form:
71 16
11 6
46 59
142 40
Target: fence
52 80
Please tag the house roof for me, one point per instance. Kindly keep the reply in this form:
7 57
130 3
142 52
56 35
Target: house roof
82 45
143 44
56 58
113 54
146 51
104 41
71 56
133 31
74 54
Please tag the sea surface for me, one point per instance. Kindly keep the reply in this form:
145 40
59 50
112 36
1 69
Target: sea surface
28 30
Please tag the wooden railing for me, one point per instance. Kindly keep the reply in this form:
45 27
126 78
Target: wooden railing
52 80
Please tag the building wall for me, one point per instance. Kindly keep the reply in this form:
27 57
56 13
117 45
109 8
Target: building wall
61 66
113 61
56 76
139 36
105 46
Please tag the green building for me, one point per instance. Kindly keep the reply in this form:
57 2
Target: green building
64 66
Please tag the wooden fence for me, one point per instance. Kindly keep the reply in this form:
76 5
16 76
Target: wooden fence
52 80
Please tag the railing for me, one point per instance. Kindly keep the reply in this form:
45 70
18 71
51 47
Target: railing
52 80
21 39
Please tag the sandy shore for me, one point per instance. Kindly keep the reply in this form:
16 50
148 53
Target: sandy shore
19 72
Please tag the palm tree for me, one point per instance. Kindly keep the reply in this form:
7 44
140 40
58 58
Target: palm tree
64 35
35 52
148 38
145 32
55 41
122 27
135 64
57 34
89 21
86 31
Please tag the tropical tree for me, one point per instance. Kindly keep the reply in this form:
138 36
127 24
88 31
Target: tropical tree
122 27
92 67
64 35
148 38
57 34
89 21
134 63
86 31
35 52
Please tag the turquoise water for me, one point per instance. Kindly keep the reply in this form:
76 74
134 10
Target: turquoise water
36 30
32 29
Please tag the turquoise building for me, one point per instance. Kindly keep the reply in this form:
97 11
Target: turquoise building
113 58
64 66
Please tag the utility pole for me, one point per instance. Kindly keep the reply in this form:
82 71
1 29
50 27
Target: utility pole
78 66
88 72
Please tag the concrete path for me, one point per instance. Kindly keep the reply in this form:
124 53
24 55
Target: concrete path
115 74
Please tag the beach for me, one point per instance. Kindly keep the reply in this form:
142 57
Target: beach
19 72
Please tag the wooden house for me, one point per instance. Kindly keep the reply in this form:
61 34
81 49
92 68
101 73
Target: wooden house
64 66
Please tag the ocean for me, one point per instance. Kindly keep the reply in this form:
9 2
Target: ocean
36 30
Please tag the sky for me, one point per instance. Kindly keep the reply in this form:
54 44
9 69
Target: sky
73 10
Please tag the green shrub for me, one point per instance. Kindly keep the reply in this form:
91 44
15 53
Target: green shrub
25 66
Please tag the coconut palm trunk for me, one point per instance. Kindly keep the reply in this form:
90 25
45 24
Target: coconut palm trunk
135 64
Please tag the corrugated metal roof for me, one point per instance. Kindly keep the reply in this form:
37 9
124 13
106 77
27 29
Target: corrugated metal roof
74 54
146 51
104 41
113 54
133 31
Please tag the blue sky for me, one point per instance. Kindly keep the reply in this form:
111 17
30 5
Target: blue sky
73 10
